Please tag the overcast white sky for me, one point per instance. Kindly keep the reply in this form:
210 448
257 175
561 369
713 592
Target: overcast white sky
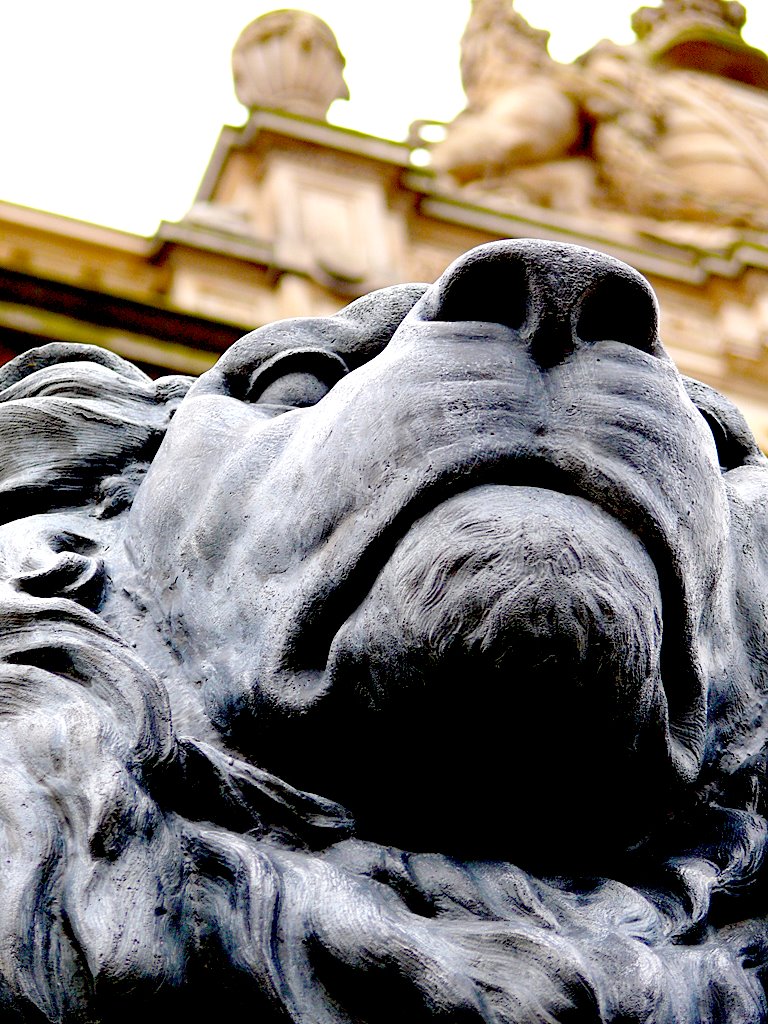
109 111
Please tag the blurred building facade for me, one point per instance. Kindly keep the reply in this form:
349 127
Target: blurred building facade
656 153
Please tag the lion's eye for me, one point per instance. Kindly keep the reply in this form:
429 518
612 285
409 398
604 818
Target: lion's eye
733 439
298 390
295 379
730 453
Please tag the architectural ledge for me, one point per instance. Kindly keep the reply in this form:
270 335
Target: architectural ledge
73 229
300 130
639 244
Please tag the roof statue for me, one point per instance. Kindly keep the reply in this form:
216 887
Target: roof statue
672 127
519 113
498 43
289 60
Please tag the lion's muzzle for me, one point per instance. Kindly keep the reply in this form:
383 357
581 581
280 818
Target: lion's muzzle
512 514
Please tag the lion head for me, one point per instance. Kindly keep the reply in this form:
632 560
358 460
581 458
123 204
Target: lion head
470 561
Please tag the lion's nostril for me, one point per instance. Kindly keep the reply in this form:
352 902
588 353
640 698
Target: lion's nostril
488 290
620 309
69 574
556 297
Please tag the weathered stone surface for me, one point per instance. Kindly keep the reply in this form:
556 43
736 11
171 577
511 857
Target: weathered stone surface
470 561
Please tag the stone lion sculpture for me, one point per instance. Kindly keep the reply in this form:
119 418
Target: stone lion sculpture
409 665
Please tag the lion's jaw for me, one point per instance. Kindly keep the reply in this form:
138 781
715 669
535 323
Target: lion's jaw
510 651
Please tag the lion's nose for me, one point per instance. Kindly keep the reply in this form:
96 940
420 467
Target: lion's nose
555 297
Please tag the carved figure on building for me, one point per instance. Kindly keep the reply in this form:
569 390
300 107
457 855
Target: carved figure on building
519 118
674 126
470 561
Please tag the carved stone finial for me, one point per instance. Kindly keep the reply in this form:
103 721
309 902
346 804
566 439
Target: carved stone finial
701 35
498 44
289 60
728 15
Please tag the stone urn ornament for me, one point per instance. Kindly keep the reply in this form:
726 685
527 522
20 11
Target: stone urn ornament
290 61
